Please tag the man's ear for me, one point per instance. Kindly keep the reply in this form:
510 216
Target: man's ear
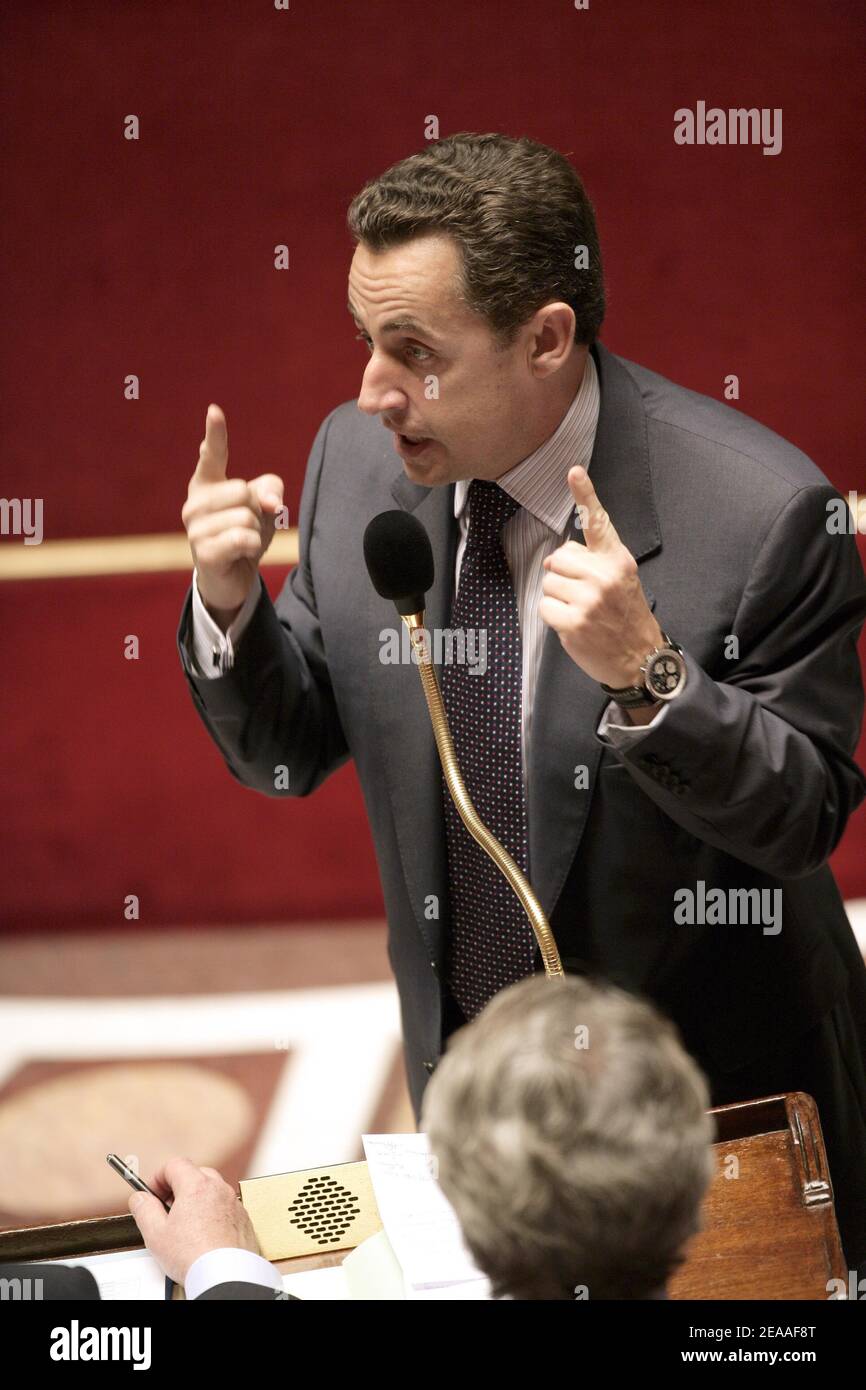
551 338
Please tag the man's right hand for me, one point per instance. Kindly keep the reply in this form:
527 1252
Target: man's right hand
229 523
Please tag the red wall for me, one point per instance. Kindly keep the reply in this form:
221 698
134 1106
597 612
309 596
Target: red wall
155 257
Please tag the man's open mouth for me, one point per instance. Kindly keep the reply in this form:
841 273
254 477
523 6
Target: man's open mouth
410 443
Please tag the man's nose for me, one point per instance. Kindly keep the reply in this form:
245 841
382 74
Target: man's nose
378 394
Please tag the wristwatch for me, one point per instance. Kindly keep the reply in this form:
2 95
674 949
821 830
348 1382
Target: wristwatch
664 673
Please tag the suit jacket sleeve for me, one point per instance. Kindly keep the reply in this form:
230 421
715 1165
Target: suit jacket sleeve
275 708
59 1282
759 761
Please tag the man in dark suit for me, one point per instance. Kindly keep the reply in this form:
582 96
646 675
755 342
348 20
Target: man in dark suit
662 729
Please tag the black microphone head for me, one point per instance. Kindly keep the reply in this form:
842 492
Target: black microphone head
399 559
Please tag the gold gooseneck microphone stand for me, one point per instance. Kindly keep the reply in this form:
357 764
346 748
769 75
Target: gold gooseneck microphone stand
467 812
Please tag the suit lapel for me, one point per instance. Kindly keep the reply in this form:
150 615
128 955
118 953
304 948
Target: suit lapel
568 705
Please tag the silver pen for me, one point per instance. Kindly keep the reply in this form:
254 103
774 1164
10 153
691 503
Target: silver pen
129 1175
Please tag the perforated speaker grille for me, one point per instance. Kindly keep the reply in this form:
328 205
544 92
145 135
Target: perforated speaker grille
324 1209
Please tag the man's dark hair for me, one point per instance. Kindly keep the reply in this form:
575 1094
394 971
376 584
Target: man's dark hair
519 214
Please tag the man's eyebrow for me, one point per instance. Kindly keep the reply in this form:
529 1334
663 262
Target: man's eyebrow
406 324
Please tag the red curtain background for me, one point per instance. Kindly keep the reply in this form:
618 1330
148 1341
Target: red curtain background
154 257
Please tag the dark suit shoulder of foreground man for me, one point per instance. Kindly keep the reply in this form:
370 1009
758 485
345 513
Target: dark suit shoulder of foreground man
74 1283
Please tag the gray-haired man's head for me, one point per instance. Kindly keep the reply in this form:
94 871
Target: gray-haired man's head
571 1137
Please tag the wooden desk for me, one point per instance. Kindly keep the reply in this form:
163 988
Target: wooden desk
770 1232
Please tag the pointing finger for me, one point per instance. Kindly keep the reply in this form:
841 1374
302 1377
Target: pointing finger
213 454
599 531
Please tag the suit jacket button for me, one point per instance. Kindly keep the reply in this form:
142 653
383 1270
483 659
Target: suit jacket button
429 1066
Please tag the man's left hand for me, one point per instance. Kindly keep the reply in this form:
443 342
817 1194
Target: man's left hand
593 597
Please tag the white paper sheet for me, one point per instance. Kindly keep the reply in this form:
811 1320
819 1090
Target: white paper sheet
419 1221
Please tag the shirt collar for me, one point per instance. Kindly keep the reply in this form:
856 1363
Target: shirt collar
540 482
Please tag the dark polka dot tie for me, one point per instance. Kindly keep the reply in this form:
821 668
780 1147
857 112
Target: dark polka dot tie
491 943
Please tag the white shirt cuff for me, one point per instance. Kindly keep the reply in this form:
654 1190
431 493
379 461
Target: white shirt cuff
227 1266
624 735
213 651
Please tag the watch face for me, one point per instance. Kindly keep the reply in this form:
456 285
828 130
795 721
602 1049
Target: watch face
666 675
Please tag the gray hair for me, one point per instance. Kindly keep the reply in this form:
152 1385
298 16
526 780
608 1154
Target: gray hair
571 1136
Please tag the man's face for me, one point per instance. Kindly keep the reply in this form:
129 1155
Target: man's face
435 372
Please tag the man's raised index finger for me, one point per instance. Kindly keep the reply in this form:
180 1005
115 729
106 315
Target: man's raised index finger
213 456
599 531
